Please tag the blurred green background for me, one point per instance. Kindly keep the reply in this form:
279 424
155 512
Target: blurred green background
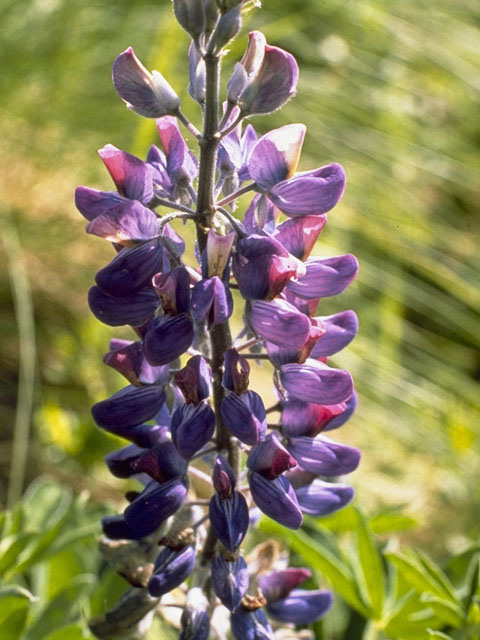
388 89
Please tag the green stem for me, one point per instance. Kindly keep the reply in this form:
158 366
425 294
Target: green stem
22 301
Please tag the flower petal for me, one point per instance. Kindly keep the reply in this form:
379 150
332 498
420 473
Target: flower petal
312 192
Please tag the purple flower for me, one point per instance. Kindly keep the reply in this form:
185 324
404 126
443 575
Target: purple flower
229 580
229 519
283 325
308 419
278 584
156 503
224 480
250 625
325 277
262 267
301 607
277 499
128 407
211 302
316 382
340 330
298 235
134 309
119 462
178 167
162 462
129 359
173 290
270 458
121 221
167 338
192 427
272 165
132 177
148 94
264 79
323 498
195 622
131 269
172 567
245 416
324 457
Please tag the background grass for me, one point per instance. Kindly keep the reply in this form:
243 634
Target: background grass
388 89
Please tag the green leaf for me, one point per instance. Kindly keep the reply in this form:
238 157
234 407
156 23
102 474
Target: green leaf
371 565
439 576
438 635
10 549
14 605
337 572
450 613
68 632
421 577
62 609
45 503
388 522
409 617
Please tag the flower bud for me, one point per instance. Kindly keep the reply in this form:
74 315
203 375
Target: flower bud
235 372
197 71
229 519
190 15
195 380
229 580
192 427
148 94
195 622
171 569
264 80
224 480
227 27
251 625
173 289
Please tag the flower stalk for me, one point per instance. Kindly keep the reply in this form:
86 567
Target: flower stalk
201 447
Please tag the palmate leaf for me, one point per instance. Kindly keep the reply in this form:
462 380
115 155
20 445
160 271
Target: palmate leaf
371 566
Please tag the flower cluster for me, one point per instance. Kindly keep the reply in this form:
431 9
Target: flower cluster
188 404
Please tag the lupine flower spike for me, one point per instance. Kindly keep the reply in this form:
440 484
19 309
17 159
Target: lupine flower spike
204 459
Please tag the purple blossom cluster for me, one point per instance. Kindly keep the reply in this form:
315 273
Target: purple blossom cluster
188 405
